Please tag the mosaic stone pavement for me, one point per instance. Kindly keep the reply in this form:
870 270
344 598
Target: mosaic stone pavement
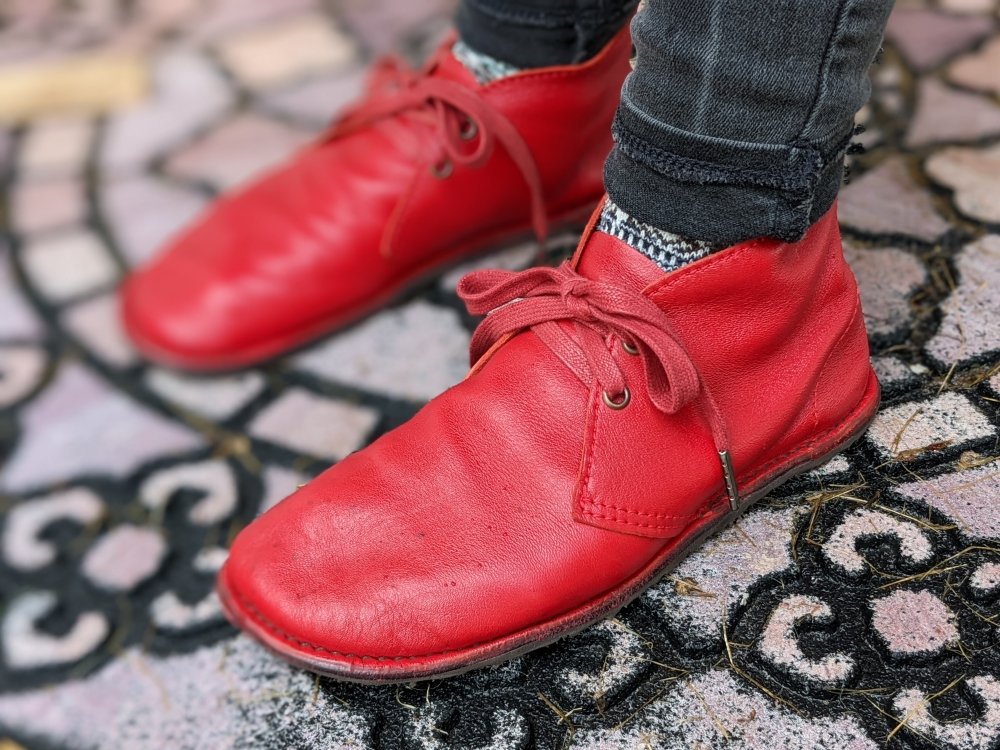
856 608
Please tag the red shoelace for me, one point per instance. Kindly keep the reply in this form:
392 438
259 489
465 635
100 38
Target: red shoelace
468 127
600 313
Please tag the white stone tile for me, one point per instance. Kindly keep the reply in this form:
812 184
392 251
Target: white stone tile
68 264
945 421
214 397
212 479
26 647
306 423
413 352
23 546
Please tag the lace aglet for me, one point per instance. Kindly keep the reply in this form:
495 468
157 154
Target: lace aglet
730 476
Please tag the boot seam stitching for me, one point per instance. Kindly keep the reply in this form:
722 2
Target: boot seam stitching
260 618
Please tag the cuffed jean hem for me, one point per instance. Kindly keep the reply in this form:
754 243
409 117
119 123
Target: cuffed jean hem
529 36
718 190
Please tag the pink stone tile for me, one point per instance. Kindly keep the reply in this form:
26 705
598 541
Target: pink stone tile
841 547
225 695
887 277
888 201
716 710
279 483
286 51
170 14
726 567
189 93
212 480
65 265
56 147
985 578
124 557
927 38
969 327
383 24
316 102
909 429
980 70
914 707
914 622
983 7
317 426
944 114
26 545
97 324
413 352
214 397
78 425
145 211
236 151
21 369
38 206
226 16
974 175
17 320
968 497
779 642
627 656
27 646
892 371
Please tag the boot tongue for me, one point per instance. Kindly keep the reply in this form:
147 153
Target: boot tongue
607 258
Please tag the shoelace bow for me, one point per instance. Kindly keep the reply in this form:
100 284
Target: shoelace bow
469 127
539 298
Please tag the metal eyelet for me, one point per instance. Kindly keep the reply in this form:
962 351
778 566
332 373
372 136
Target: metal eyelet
629 347
443 169
623 398
468 131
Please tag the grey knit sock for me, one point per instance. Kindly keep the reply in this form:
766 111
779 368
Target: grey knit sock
669 251
485 68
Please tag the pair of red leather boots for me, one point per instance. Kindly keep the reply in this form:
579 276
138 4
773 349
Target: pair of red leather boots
614 417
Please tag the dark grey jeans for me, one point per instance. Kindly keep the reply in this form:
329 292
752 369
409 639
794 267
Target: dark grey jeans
735 121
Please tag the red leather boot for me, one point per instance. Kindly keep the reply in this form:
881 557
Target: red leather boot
428 170
614 418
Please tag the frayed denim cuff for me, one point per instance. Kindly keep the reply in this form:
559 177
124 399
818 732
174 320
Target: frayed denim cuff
718 190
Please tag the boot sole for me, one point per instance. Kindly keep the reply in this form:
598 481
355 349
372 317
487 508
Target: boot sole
371 670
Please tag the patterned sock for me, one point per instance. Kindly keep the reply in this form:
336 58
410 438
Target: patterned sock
669 251
486 69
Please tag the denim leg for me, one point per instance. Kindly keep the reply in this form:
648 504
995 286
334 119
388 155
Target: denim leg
735 121
536 33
